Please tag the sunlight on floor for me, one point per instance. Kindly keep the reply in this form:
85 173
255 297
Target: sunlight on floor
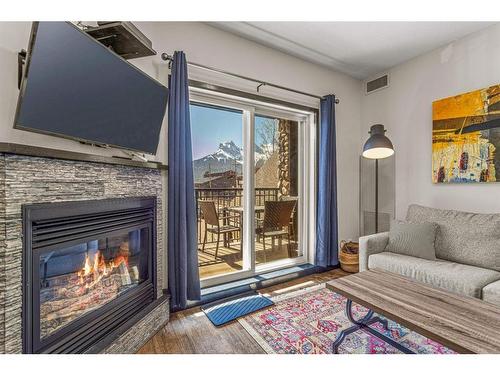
229 258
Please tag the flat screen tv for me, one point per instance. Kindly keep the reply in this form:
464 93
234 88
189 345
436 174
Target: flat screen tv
74 87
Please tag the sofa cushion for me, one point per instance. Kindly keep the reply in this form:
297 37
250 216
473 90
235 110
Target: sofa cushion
491 293
458 278
463 237
413 239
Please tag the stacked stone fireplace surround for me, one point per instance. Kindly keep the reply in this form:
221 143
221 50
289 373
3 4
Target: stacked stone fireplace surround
31 179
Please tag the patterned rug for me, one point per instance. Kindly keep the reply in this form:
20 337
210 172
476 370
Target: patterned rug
307 322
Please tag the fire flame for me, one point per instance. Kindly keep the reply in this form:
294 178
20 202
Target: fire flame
93 272
87 268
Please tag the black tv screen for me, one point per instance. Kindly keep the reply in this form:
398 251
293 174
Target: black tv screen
74 87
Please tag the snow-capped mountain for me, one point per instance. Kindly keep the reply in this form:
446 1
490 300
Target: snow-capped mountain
229 150
228 157
264 151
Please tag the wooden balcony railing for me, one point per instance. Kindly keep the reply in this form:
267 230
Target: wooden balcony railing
228 197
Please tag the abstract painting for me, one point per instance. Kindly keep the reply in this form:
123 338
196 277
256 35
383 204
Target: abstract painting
466 137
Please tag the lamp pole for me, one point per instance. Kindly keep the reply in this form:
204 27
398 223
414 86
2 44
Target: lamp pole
376 195
378 146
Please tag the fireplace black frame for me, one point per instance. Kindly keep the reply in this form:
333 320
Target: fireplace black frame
113 216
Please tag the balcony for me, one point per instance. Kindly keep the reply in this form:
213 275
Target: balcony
219 255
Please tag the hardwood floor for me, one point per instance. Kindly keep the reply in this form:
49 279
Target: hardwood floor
190 331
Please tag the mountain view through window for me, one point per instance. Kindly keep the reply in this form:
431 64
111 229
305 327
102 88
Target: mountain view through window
218 164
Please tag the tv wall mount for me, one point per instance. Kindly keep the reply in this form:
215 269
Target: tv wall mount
21 61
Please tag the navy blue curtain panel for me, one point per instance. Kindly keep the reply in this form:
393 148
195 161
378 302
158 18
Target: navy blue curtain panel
183 276
326 221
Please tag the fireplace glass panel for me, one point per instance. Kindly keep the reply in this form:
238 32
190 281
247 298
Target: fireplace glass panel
78 279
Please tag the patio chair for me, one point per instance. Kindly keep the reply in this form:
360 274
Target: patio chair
276 222
292 225
212 218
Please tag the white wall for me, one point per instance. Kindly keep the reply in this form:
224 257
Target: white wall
405 108
210 46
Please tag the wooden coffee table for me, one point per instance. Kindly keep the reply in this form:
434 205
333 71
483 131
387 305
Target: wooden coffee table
463 324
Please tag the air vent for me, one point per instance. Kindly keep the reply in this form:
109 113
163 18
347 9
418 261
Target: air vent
377 84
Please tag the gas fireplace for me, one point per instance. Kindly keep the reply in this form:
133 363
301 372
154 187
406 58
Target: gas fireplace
89 268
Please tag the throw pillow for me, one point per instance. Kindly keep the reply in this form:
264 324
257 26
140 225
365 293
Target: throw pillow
413 239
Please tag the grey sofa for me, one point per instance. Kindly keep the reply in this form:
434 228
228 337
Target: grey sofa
467 251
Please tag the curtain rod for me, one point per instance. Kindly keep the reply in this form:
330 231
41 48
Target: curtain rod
167 57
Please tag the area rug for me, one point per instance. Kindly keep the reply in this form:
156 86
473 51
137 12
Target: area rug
307 322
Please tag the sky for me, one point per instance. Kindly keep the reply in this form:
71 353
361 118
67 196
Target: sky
212 126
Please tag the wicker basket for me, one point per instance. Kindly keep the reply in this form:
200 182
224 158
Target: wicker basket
349 256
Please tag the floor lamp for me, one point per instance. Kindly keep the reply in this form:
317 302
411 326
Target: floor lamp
378 146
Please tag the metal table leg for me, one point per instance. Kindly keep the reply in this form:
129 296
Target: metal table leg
364 323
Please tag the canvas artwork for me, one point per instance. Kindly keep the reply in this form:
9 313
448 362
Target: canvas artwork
466 137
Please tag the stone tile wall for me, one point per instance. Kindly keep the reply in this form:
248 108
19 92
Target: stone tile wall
25 180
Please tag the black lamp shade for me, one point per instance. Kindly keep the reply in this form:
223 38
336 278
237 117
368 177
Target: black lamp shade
378 146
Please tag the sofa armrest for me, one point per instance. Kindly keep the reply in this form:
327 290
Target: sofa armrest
372 244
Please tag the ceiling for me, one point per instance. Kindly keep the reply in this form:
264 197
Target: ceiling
359 49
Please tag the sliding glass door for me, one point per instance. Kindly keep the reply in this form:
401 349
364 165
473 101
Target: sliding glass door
252 171
277 196
217 139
